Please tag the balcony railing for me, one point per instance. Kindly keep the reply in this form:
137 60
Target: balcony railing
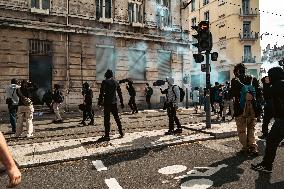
248 36
248 59
248 12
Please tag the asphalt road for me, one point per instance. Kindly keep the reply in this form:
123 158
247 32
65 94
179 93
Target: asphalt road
164 168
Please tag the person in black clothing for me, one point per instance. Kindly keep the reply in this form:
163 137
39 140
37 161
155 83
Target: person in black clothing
88 111
132 94
108 100
149 93
268 108
57 98
275 91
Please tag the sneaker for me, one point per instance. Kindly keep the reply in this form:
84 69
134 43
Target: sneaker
121 135
261 167
252 153
169 132
178 131
104 138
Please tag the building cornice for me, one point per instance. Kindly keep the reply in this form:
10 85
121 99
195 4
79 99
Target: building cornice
47 26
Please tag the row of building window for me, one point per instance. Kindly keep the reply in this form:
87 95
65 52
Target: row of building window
193 4
206 17
135 10
137 62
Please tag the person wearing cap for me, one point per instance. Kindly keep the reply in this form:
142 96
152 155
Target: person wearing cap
275 91
172 99
244 112
12 100
108 99
88 104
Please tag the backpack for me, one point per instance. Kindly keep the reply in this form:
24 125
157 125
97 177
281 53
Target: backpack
59 98
247 93
149 91
181 92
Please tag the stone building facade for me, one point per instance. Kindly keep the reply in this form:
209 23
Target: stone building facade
69 42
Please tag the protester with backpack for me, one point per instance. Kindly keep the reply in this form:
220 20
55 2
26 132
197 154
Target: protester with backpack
12 101
275 91
245 112
57 98
172 99
148 93
25 109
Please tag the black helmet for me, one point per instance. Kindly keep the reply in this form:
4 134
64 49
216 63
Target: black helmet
108 74
86 85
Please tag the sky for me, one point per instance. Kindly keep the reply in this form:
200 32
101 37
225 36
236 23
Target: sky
271 23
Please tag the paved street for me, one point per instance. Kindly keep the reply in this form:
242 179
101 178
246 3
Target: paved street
68 155
183 166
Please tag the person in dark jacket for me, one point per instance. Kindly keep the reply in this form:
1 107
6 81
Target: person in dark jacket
132 94
57 98
274 91
108 100
244 110
148 93
88 111
268 108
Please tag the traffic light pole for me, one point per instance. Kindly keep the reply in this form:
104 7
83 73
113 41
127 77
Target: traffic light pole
208 109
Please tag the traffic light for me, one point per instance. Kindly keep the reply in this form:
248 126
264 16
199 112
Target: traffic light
198 58
203 67
214 56
196 36
205 36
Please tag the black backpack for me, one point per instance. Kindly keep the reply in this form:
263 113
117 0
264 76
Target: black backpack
181 92
59 98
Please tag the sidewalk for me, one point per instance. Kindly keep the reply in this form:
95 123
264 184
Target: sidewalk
35 154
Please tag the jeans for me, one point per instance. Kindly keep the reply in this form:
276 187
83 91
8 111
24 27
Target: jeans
111 108
268 114
148 100
13 116
171 110
275 136
132 104
88 113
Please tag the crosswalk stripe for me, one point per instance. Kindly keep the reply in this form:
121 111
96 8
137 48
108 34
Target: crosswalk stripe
99 165
112 183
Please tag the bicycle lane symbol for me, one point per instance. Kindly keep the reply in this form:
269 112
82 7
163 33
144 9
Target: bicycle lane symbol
200 183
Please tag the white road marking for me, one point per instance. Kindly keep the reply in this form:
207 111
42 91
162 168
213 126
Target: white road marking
99 165
112 183
195 173
169 170
197 184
